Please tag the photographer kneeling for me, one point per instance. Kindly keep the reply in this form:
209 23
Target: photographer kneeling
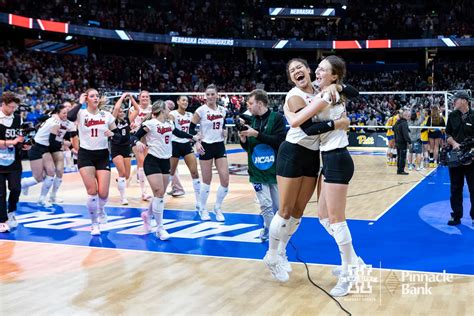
460 127
261 138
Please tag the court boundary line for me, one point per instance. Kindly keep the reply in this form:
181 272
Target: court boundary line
215 257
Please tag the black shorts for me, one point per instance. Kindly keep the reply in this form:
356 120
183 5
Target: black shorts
93 158
435 134
153 165
294 161
182 149
117 150
213 151
37 150
338 166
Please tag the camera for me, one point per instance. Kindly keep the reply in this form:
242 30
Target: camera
456 158
28 131
238 125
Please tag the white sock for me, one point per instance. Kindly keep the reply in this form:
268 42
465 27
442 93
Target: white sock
278 227
93 206
327 225
28 182
343 238
293 225
221 194
197 189
68 159
158 205
102 203
121 183
141 179
203 195
56 184
47 184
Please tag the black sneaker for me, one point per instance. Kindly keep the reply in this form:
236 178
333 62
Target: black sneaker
454 221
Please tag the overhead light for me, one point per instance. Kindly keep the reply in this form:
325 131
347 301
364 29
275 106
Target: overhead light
68 38
344 7
272 19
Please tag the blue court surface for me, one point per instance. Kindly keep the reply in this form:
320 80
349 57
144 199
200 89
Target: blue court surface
412 235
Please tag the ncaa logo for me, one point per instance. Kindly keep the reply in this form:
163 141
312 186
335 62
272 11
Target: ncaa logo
263 157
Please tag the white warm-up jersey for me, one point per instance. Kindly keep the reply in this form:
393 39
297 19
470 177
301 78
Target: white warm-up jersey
42 136
142 113
182 123
212 123
92 128
158 138
336 138
296 135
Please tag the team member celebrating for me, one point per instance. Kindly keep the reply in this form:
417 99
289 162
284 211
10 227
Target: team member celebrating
182 147
120 148
157 131
212 119
136 116
338 167
95 126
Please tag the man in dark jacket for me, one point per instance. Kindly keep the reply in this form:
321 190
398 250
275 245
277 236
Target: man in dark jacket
402 139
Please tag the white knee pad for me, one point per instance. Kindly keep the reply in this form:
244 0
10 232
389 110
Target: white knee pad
342 235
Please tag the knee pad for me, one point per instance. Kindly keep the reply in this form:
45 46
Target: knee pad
342 235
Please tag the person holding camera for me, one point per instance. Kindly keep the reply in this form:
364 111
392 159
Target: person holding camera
261 138
402 139
460 126
11 144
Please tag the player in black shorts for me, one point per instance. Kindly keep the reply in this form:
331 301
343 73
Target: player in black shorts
120 148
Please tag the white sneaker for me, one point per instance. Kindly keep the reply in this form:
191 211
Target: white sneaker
418 169
410 168
146 197
342 286
103 217
4 228
276 269
95 229
55 199
124 202
12 220
338 270
162 234
219 216
146 220
285 264
45 203
205 215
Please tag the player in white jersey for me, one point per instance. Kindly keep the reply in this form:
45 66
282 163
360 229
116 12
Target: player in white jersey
183 147
213 133
158 132
297 171
48 140
338 168
136 115
95 126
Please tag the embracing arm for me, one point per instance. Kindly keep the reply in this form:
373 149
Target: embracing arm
296 119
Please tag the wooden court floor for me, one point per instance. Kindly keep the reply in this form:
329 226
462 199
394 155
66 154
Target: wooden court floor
50 279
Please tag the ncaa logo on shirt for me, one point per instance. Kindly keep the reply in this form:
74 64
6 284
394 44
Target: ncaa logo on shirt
263 157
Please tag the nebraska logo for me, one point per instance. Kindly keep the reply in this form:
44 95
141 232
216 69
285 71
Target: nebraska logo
92 122
183 122
213 117
163 130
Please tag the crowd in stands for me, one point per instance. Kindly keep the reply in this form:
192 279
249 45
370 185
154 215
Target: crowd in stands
44 80
249 18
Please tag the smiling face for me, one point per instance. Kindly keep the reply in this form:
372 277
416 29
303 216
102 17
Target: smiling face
211 96
324 74
182 103
144 99
299 74
63 114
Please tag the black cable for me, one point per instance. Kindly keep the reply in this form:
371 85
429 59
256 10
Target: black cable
313 283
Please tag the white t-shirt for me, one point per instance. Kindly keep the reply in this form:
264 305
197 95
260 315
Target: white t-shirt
42 136
158 138
212 123
296 135
92 128
142 113
336 138
182 123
